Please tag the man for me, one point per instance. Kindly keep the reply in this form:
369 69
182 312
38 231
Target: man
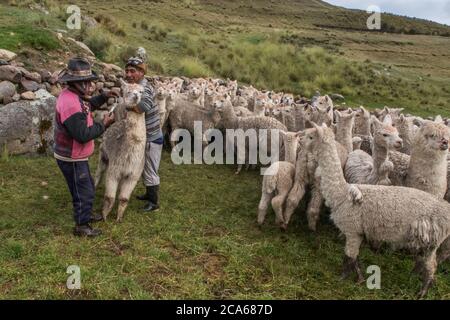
135 70
74 136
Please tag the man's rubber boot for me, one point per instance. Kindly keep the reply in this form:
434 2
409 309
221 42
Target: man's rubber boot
86 231
145 196
153 203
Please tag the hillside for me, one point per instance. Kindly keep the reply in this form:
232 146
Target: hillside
297 46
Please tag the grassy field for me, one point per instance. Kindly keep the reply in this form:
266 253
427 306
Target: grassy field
203 244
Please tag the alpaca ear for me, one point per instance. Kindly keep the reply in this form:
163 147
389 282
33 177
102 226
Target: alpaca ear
337 114
300 134
122 82
387 120
375 123
438 119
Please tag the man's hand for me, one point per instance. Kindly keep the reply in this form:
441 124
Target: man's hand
108 119
110 94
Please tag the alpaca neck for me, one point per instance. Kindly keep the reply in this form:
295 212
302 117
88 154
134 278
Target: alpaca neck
333 185
379 156
344 136
229 116
429 164
161 103
291 154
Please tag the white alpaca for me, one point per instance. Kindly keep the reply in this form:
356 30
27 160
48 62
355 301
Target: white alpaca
403 217
364 169
122 153
278 180
426 168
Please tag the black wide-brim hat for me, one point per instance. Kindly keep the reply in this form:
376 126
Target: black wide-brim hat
78 69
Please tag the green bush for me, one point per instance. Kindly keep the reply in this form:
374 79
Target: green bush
193 68
98 41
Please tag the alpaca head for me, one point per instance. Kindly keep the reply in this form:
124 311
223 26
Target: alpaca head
309 112
210 90
287 99
362 121
324 107
385 134
393 112
221 102
404 126
194 90
261 100
434 137
318 137
131 93
344 119
291 140
161 92
276 98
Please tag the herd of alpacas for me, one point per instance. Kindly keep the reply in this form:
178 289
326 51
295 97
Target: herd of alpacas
384 175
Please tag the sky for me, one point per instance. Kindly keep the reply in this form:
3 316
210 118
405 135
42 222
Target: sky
435 10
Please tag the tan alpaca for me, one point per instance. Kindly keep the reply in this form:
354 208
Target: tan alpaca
308 175
405 129
230 120
278 180
426 168
403 217
122 153
362 168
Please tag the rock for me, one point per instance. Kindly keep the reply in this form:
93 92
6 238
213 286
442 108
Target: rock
337 96
7 55
3 62
34 76
43 94
109 84
111 77
7 100
89 21
99 85
82 46
30 85
101 78
108 67
28 95
54 77
16 97
55 90
59 35
26 127
45 75
116 90
10 73
111 101
7 90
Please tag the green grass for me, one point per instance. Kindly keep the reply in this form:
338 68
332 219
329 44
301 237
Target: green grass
16 37
202 244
